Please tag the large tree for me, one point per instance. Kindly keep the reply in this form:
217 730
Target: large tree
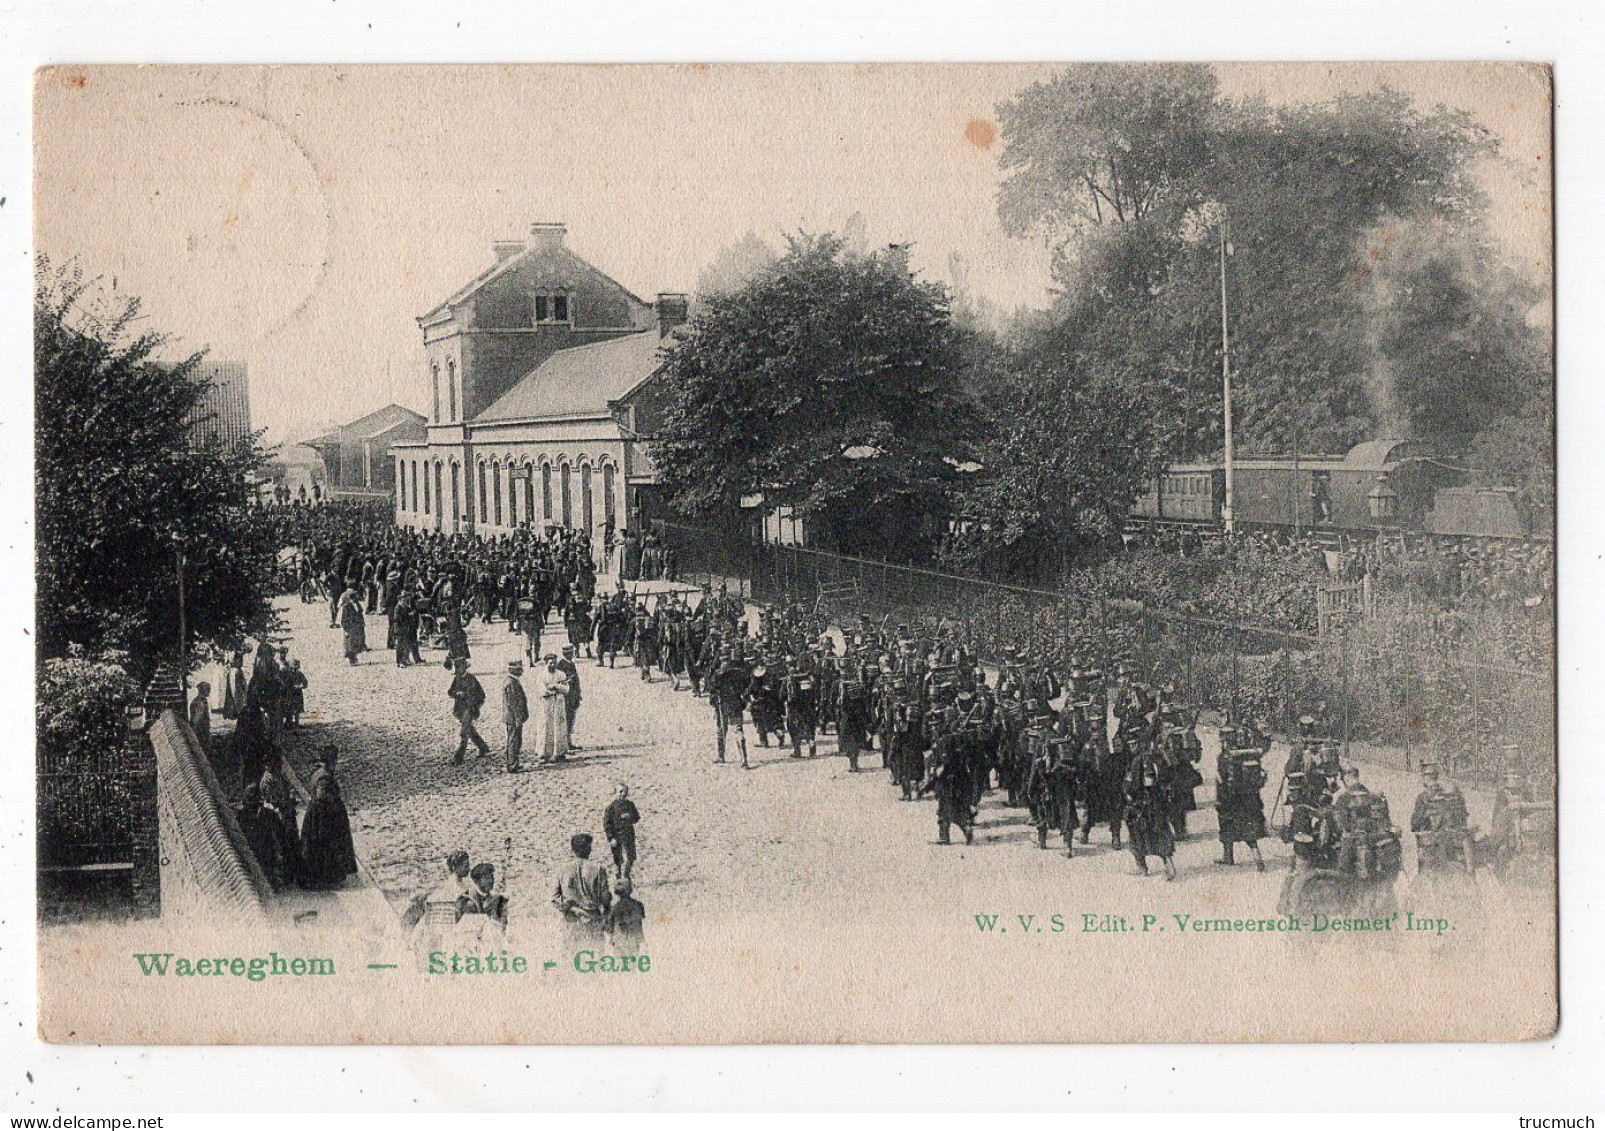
122 491
830 383
1133 175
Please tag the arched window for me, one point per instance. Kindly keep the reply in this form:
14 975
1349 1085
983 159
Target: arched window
456 496
496 488
434 388
440 498
568 496
484 496
529 494
401 486
451 384
426 486
546 492
585 497
609 514
414 473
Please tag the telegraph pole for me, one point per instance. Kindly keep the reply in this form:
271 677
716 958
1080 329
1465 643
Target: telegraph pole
1298 493
1226 384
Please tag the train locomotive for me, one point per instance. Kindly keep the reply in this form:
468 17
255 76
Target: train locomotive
1379 485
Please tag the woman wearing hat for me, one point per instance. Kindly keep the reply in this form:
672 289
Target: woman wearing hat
554 709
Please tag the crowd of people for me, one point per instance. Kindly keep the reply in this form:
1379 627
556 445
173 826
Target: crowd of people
314 851
1076 749
468 911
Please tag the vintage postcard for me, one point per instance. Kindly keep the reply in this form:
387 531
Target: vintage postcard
879 553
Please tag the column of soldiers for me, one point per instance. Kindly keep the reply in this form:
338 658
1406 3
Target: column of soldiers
1079 753
942 729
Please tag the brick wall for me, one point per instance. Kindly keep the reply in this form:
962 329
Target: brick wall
205 864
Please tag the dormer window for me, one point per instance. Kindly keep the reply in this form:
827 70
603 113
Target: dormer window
551 307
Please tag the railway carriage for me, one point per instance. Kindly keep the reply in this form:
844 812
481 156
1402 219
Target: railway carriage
1377 485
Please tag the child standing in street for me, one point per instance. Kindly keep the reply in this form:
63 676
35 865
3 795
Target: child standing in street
625 919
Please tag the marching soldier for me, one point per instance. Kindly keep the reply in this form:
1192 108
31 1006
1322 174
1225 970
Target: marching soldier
1522 833
644 641
1240 778
1014 761
950 781
1038 790
576 619
696 642
1441 824
1181 752
1062 783
801 705
905 750
1103 771
728 693
1148 814
764 698
852 713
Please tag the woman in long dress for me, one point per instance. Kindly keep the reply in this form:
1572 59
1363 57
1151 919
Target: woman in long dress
328 855
353 625
554 709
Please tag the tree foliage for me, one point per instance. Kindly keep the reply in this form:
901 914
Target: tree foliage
1362 296
80 706
736 265
830 383
121 489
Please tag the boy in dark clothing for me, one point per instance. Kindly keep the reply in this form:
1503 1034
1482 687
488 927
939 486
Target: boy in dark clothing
624 920
618 825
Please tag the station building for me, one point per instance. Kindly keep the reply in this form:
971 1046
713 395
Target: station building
541 376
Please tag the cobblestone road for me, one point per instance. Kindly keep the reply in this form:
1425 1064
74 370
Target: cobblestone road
713 838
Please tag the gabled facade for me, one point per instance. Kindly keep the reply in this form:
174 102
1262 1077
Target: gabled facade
357 456
537 371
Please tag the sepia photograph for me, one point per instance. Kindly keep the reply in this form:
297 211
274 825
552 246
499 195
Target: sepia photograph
950 553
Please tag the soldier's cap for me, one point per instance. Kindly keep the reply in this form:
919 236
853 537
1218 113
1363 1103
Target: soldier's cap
484 875
457 860
1306 720
515 667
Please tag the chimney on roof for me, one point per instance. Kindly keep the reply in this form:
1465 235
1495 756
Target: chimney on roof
506 249
548 235
672 311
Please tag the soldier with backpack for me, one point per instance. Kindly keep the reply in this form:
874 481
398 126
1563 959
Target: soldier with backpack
1241 776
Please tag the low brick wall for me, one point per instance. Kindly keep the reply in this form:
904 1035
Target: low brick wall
206 865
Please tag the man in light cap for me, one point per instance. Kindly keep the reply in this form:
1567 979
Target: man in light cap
566 665
515 713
